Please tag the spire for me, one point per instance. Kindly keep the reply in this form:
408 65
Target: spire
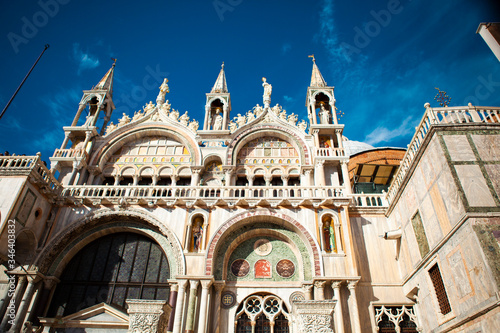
106 82
220 85
316 77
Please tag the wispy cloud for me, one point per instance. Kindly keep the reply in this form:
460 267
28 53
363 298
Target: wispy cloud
285 48
84 59
382 134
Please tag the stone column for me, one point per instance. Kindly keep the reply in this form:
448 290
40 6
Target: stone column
174 180
319 290
284 178
147 315
338 240
193 291
225 117
179 306
206 125
308 291
65 141
172 301
339 319
23 305
202 324
21 283
354 307
339 138
345 177
81 107
229 178
219 287
334 112
195 176
250 180
320 173
307 177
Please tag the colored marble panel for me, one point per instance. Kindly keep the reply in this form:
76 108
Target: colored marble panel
285 268
240 267
263 269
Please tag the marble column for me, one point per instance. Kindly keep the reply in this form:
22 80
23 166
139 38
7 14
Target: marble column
179 306
354 307
21 283
172 301
23 305
320 173
345 177
319 290
202 324
193 292
308 291
339 319
219 287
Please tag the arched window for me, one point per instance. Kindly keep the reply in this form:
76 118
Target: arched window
112 269
265 311
393 319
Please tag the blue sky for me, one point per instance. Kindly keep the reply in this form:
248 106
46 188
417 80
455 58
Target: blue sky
383 57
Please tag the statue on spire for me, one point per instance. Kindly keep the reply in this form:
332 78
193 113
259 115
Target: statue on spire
267 92
163 91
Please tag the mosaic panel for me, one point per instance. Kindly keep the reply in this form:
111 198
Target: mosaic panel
273 149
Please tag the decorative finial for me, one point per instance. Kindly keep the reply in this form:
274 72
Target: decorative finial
312 56
222 65
442 98
114 61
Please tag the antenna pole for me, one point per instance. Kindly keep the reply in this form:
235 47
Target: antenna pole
12 98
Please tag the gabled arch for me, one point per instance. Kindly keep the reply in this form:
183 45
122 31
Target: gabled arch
254 132
117 139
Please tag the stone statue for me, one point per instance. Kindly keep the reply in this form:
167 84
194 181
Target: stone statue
258 110
283 115
148 107
276 109
241 120
250 117
163 91
124 120
267 89
232 127
184 119
302 126
137 115
111 127
330 234
218 122
324 115
292 119
165 107
174 114
194 125
197 234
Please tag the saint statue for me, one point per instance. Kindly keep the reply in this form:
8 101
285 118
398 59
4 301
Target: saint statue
329 232
163 91
197 234
184 119
267 91
218 123
324 115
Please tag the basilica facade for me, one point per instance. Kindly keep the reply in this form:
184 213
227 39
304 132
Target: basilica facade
252 222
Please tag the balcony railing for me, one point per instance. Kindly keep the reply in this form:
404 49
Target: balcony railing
440 116
70 153
330 152
28 166
370 200
276 194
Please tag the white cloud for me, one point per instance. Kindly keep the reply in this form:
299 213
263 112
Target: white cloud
84 59
382 134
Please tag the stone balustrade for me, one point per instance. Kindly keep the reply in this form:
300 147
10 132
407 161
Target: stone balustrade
28 166
70 153
330 152
441 116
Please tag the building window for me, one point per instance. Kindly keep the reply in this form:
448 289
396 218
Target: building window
392 319
442 297
266 311
112 269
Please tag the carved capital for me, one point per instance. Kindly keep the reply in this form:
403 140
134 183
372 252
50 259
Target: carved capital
319 284
147 315
205 284
307 288
219 287
352 285
336 284
193 284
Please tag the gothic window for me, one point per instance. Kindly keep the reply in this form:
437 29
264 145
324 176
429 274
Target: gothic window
112 269
196 234
392 319
442 297
266 311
